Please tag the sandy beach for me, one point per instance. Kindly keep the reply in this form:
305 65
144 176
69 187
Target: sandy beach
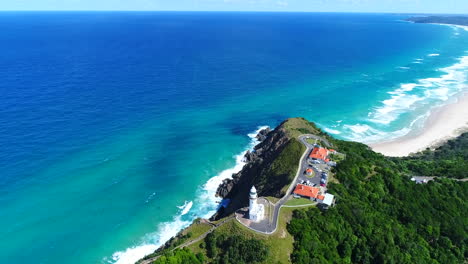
444 123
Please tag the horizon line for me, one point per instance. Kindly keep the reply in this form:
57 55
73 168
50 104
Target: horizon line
228 11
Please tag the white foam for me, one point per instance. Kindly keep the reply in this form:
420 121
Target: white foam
439 88
421 96
331 131
404 68
152 242
433 55
186 207
454 26
206 205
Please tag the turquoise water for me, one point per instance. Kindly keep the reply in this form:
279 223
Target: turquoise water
117 127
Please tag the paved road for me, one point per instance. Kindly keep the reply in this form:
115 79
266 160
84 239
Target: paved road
271 228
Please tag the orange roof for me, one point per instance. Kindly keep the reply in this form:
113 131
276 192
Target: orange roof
309 170
307 191
332 150
320 197
319 153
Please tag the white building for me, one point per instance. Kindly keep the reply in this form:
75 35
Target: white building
329 199
256 211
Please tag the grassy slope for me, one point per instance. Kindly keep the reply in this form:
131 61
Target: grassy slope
281 172
280 243
284 168
299 201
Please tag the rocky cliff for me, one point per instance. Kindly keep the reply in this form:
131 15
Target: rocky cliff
270 166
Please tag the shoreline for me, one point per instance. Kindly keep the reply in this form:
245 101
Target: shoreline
444 123
203 206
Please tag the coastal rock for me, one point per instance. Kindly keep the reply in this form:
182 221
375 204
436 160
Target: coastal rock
258 161
263 133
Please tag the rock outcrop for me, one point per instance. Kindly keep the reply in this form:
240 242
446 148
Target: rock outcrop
258 161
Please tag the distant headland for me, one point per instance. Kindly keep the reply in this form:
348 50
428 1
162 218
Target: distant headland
461 20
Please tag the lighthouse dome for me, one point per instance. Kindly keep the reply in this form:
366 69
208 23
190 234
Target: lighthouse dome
253 191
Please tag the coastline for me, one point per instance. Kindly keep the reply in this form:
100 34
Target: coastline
203 206
444 123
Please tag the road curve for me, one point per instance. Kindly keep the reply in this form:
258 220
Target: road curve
277 207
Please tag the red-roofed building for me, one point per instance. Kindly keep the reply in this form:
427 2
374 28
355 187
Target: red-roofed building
319 153
320 197
306 191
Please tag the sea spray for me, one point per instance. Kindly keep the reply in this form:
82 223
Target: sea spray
206 204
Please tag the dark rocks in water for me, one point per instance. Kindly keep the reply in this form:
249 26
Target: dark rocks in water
224 188
258 162
250 156
263 133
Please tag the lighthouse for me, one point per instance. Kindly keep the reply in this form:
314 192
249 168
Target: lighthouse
256 211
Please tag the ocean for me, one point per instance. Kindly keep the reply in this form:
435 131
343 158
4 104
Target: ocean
116 128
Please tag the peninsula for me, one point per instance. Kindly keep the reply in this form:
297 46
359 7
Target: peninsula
449 19
383 211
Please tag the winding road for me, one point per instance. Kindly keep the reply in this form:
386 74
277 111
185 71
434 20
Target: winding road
271 227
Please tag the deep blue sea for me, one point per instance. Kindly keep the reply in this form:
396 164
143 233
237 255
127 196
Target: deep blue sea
116 128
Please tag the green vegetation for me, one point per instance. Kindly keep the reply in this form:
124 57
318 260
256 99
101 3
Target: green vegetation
197 228
225 249
448 160
272 199
299 201
283 169
338 157
279 244
383 217
180 256
380 215
299 126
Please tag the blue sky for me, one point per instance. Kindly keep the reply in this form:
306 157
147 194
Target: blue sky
407 6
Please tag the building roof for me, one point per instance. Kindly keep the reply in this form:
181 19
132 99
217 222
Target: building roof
328 199
320 197
309 170
319 153
307 191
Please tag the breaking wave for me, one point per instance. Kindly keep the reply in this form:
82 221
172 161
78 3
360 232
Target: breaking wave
204 206
417 98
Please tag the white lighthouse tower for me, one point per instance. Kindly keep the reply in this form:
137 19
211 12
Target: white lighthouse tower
256 211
